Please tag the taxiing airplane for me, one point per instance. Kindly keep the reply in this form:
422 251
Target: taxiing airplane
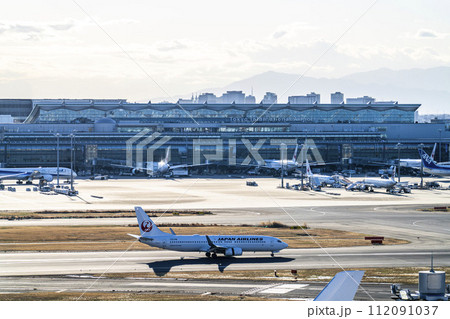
433 168
31 173
228 245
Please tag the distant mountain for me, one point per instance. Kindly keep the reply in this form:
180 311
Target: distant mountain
429 87
428 79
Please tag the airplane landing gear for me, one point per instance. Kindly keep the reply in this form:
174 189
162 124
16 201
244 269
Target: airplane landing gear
214 255
272 254
208 254
19 182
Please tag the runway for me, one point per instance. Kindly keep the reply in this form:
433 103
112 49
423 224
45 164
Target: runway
270 289
161 262
381 215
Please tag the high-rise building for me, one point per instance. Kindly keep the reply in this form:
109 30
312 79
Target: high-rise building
310 98
250 99
209 98
360 100
238 97
269 98
337 98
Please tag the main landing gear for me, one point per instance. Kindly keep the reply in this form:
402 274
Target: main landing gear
209 255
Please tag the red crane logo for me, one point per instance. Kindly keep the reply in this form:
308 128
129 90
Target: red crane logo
146 226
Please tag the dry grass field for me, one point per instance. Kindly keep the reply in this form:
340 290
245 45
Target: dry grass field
100 238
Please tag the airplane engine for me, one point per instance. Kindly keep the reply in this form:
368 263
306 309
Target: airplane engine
47 178
134 171
233 251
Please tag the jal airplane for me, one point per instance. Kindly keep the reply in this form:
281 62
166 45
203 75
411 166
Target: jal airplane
31 173
432 167
228 245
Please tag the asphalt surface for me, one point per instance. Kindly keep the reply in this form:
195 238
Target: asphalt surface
378 214
270 289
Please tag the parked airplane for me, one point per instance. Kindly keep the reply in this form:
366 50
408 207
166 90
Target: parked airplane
406 162
287 165
161 168
368 184
415 163
318 179
31 173
228 245
431 167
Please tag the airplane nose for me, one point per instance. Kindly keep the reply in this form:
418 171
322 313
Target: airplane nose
74 174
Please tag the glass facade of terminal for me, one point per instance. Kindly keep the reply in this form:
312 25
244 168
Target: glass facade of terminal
347 134
170 113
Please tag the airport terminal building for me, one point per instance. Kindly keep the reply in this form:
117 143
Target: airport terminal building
102 131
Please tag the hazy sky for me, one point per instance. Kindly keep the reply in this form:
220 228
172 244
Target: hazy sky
54 49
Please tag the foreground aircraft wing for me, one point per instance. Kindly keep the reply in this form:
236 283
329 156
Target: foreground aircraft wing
342 287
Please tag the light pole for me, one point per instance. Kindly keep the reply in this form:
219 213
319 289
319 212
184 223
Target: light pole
440 140
421 167
282 147
398 167
57 159
71 161
301 168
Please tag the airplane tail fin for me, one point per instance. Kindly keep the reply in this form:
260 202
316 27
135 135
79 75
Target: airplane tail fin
308 169
166 159
426 159
146 225
342 287
434 152
294 157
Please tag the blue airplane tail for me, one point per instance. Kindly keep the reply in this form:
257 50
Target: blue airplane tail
427 160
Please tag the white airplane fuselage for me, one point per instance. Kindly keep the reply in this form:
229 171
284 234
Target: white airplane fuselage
380 182
29 173
228 245
200 242
287 165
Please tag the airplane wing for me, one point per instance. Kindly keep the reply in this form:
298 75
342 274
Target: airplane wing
342 287
23 175
187 165
138 169
320 163
215 248
13 175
